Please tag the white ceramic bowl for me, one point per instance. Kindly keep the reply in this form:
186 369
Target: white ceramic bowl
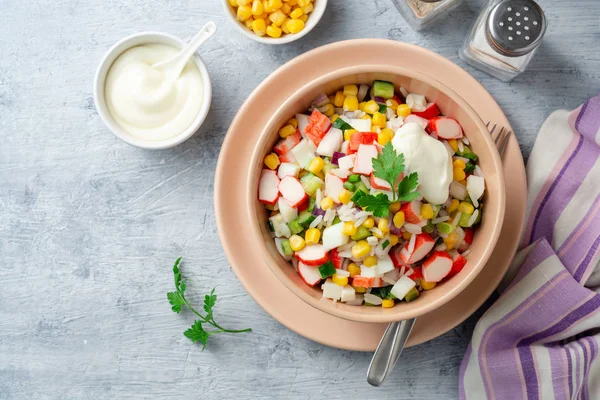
313 19
100 78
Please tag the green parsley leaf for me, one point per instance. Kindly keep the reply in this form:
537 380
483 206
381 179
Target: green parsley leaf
378 204
209 302
470 167
406 188
196 333
176 301
388 165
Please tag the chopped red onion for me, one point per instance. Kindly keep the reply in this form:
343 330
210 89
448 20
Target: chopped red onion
362 92
336 156
317 211
379 100
321 100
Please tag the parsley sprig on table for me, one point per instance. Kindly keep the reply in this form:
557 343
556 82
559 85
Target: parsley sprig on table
196 333
388 166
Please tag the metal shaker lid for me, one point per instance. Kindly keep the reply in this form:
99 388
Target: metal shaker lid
515 27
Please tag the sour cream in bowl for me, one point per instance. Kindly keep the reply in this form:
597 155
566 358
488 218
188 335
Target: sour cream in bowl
139 103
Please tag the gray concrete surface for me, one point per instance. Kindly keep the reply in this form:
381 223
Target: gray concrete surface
89 226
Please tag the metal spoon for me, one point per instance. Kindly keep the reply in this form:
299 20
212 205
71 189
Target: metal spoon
388 351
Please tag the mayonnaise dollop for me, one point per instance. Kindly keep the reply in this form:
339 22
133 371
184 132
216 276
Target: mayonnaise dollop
429 158
144 102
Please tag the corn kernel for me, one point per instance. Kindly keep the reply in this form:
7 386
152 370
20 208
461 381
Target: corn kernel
350 103
243 13
312 236
264 16
378 235
284 27
369 223
297 13
398 219
379 120
291 2
287 130
345 196
267 7
353 269
320 175
293 122
273 31
248 23
257 8
362 105
361 249
272 161
286 8
316 165
334 117
466 208
295 26
403 110
339 280
387 303
338 100
303 18
383 225
233 3
259 27
371 107
458 174
358 289
303 3
275 4
451 240
243 2
453 206
348 133
392 103
328 110
385 136
427 211
427 285
395 207
277 18
394 240
458 163
350 90
370 261
308 9
406 235
297 243
326 203
454 144
349 229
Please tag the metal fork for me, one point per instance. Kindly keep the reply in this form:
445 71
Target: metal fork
501 138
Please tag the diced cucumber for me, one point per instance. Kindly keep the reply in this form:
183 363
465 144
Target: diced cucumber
478 219
350 186
429 227
326 270
310 182
287 249
470 168
354 178
436 211
384 292
357 195
311 204
270 225
361 186
328 167
342 125
468 153
445 228
382 108
412 295
336 220
361 233
305 218
383 89
464 220
295 227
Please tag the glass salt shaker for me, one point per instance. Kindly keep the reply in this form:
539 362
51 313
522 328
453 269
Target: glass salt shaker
505 37
422 13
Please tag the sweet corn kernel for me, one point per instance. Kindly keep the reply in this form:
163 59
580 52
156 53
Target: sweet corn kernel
361 249
369 223
339 280
286 8
295 26
277 18
379 120
371 107
267 7
287 130
257 8
233 3
243 2
392 103
362 105
264 16
385 136
303 3
427 211
297 13
350 90
458 174
454 144
366 116
451 240
383 225
378 235
338 100
453 206
293 122
275 4
370 261
320 175
427 285
259 27
466 208
291 2
403 110
398 219
395 207
248 23
349 229
387 303
345 196
358 289
312 236
316 165
273 31
326 203
348 133
272 161
284 27
353 269
406 235
304 18
350 103
458 163
334 117
308 9
243 13
328 109
297 243
394 240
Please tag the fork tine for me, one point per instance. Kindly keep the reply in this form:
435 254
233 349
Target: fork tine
493 129
499 137
504 143
487 125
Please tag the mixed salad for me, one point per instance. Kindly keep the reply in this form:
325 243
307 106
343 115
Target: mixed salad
373 195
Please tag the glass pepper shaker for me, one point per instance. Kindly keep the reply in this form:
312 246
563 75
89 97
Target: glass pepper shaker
422 13
505 37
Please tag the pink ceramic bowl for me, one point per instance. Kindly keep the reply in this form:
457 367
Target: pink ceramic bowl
450 104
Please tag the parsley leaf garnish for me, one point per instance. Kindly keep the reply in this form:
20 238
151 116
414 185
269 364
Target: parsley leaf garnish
388 166
406 188
196 333
378 204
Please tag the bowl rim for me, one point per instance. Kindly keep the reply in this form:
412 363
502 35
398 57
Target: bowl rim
326 306
313 19
104 66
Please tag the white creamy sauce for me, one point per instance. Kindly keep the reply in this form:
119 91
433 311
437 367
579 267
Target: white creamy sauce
144 101
429 158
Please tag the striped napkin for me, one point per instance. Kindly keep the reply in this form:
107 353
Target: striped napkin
541 337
